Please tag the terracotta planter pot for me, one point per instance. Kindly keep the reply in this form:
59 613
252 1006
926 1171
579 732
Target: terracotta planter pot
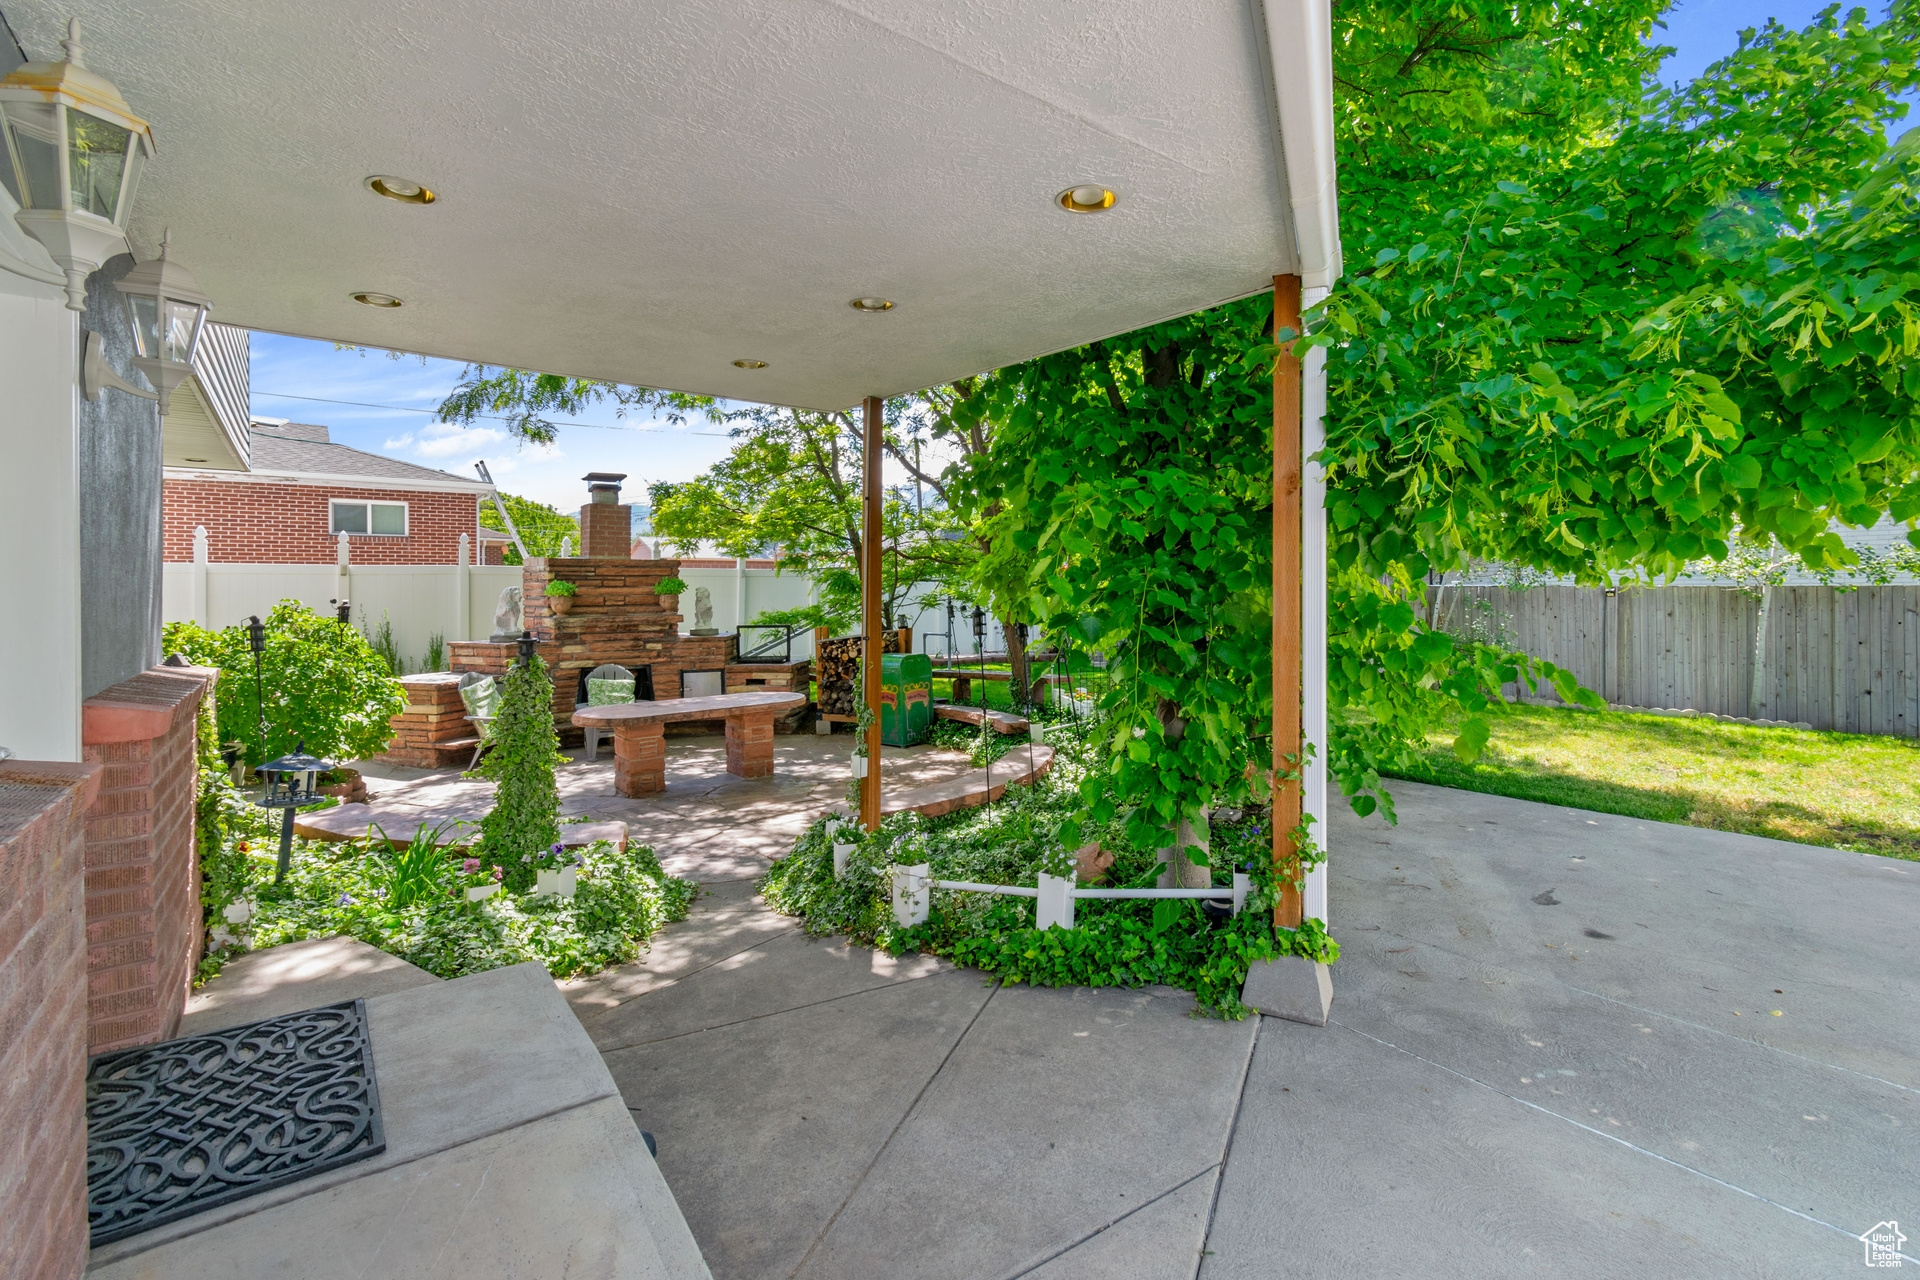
562 605
670 603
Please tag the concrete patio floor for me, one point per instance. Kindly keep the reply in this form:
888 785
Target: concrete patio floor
1553 1052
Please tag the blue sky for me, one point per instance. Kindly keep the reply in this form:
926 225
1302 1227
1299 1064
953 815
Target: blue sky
297 378
1704 31
404 391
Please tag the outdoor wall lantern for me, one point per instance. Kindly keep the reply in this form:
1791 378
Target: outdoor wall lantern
291 783
167 312
524 647
76 151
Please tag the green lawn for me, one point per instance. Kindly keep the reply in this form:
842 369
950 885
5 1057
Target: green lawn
1846 791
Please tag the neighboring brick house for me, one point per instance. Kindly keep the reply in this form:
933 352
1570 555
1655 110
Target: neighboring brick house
300 491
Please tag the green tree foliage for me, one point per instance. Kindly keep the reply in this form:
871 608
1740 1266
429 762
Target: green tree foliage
1601 333
323 685
523 824
1594 330
793 484
523 399
541 527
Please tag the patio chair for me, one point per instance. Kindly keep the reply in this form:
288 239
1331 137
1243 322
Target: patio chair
481 697
610 685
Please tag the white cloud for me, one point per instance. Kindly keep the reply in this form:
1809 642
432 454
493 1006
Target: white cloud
398 442
445 440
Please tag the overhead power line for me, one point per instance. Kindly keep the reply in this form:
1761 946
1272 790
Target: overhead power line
435 413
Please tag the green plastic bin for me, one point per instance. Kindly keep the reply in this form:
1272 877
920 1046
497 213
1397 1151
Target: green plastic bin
906 698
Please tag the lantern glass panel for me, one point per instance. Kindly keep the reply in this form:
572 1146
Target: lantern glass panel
97 160
33 136
181 331
143 309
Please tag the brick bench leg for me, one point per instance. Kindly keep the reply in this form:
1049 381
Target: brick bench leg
639 759
750 746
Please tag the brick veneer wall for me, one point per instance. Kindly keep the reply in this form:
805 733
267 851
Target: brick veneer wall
606 530
248 522
43 1018
143 873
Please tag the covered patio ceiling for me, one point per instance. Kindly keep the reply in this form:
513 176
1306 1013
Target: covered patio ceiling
647 192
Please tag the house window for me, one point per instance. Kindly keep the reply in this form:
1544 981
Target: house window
384 518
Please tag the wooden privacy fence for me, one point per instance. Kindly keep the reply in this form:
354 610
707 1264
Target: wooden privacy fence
1844 660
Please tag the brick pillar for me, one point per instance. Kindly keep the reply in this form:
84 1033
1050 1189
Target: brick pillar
606 530
640 759
750 746
43 1017
143 875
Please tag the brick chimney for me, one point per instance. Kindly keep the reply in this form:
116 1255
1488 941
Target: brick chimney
606 524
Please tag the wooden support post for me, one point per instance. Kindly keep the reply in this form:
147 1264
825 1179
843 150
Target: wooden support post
1286 601
871 623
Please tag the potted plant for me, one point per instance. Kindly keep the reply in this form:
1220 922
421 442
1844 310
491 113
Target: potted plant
669 590
560 594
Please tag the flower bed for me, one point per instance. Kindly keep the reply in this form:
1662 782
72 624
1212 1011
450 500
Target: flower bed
363 892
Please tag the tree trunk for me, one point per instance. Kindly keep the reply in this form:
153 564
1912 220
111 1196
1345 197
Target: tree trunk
1019 682
1181 871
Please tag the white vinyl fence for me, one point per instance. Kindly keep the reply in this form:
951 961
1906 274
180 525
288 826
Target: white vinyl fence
457 602
420 601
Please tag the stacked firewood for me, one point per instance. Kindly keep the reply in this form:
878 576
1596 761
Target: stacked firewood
838 668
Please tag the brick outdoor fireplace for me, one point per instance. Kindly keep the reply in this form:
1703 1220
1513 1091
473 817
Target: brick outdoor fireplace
617 617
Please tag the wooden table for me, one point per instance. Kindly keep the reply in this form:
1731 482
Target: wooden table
640 736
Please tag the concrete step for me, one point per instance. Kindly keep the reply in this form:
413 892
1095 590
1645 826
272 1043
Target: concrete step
976 787
509 1153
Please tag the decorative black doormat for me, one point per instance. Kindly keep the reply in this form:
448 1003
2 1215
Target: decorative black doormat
179 1127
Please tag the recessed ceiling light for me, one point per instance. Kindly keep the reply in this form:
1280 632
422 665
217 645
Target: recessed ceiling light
401 189
376 299
871 304
749 364
1087 198
196 459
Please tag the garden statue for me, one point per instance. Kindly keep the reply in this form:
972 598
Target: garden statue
506 616
703 612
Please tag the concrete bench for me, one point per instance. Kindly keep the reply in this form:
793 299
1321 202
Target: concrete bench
640 738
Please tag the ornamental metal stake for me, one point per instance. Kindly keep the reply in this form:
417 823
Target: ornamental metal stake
980 657
257 641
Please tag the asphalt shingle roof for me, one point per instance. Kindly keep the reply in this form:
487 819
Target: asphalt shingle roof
301 446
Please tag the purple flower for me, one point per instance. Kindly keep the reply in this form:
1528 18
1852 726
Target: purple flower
499 873
470 866
346 899
557 849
